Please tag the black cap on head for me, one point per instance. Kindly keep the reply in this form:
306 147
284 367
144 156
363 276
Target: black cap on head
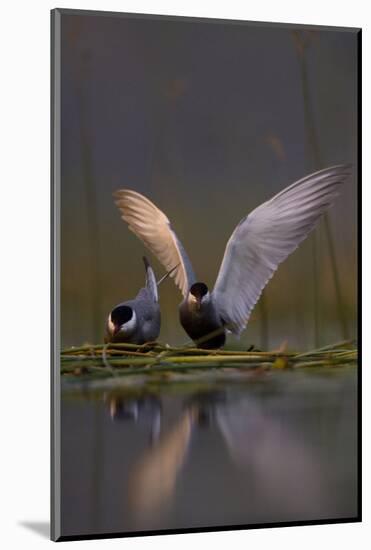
199 290
121 315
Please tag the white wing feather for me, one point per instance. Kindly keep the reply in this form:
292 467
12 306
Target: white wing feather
153 228
265 238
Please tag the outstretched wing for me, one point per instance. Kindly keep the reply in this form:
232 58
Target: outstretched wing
265 238
154 230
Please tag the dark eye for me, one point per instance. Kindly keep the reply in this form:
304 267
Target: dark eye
121 315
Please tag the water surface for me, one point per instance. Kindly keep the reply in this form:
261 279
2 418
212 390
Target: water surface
201 452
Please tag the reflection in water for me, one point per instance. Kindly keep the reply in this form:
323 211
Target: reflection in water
284 450
152 480
145 410
274 454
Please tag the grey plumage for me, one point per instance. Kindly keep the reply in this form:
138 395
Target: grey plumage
139 320
260 242
201 318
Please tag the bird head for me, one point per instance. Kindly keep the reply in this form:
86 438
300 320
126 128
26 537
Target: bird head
123 320
198 295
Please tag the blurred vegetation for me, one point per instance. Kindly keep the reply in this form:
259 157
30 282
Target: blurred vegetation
208 121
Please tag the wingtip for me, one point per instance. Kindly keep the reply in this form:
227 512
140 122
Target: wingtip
346 168
126 191
118 193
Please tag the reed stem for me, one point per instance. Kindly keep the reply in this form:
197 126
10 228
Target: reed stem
128 361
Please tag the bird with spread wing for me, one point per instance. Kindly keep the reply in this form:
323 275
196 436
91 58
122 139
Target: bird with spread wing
258 245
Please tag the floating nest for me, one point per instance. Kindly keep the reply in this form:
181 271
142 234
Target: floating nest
120 360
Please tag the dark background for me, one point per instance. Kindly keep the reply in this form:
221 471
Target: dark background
208 120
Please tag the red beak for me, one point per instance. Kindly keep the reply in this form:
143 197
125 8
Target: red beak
116 329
